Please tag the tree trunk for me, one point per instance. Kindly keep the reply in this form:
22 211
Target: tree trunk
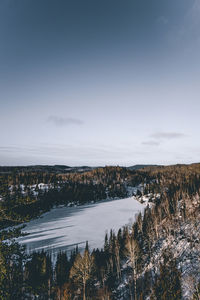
49 289
130 289
84 298
135 284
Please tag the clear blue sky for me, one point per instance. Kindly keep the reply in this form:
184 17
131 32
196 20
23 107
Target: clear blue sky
99 82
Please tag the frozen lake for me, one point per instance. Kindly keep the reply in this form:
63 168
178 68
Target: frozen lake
64 227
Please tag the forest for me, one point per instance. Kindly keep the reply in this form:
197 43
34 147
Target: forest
157 258
26 193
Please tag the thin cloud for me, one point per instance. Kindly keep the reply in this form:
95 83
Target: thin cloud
163 20
151 143
71 154
60 122
167 135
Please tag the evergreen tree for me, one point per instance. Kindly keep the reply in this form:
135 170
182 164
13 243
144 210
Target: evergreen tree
62 270
11 271
196 295
168 282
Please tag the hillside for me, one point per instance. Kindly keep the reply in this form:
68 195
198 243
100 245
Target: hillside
157 258
27 192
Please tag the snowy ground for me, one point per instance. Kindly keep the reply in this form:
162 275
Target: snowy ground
184 242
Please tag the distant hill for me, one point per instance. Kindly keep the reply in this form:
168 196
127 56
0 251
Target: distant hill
137 167
45 168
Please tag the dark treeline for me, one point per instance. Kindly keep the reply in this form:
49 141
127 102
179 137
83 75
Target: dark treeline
27 194
121 269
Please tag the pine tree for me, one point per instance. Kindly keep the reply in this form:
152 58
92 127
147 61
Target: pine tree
168 285
11 271
196 295
62 269
39 274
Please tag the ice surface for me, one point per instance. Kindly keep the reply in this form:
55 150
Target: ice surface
63 228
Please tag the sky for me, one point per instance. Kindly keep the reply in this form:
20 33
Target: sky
99 82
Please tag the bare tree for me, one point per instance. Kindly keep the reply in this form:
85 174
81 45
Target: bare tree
132 251
82 270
